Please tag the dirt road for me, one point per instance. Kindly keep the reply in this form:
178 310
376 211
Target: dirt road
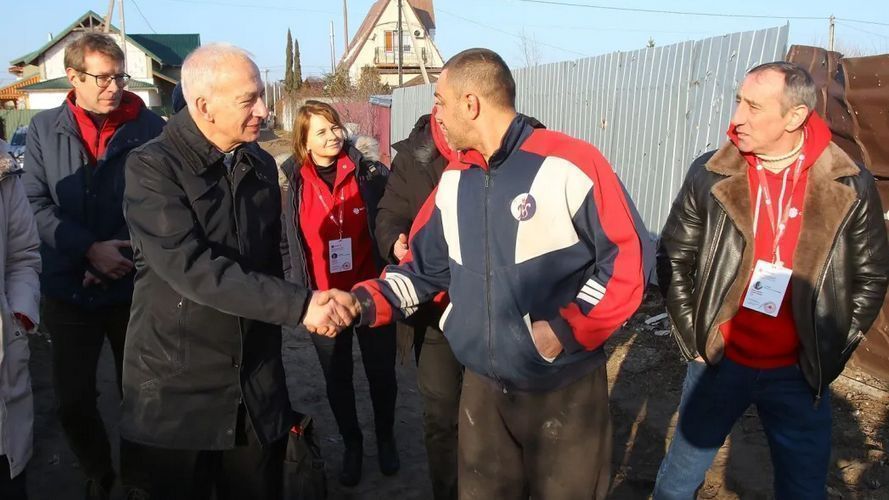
645 377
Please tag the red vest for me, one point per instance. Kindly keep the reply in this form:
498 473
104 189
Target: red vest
319 222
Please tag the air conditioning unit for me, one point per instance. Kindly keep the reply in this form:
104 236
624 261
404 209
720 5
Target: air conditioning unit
419 34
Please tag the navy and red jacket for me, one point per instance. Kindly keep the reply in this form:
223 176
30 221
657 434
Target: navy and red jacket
544 231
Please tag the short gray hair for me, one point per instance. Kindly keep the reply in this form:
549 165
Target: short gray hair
201 68
799 87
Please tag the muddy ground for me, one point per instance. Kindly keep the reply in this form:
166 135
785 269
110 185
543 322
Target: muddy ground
645 377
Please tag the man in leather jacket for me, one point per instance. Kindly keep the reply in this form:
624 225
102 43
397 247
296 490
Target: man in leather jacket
773 263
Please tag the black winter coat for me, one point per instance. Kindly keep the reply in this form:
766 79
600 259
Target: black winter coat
840 266
416 171
204 334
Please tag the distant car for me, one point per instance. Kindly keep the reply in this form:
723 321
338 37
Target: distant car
17 144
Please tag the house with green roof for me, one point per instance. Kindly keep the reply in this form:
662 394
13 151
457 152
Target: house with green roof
153 61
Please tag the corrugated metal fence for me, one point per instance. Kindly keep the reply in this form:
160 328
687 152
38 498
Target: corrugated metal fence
650 112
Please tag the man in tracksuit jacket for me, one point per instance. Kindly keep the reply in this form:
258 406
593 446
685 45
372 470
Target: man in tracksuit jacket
544 257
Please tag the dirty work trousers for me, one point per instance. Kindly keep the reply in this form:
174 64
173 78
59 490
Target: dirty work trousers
439 378
715 397
77 337
547 445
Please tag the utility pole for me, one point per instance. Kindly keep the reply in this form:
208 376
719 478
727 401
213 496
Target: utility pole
108 16
332 50
123 36
400 48
831 33
345 27
268 89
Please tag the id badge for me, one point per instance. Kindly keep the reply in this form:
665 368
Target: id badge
767 288
340 255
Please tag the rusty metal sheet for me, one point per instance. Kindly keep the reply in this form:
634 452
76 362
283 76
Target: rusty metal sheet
867 95
827 71
872 355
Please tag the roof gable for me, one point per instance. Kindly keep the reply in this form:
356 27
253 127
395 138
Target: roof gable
166 49
425 12
422 9
87 20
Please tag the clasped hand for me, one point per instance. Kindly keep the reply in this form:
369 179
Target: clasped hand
330 312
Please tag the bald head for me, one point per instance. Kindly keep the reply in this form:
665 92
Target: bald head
205 69
484 73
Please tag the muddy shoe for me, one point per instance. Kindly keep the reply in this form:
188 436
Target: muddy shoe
350 475
387 454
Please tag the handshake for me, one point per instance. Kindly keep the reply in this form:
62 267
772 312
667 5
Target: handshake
330 312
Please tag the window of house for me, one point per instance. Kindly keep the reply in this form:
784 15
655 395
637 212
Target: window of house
392 36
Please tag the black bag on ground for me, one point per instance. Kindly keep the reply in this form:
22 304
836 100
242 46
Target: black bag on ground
304 475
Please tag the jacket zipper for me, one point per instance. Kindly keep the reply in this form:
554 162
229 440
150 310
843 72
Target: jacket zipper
230 175
821 278
711 257
489 278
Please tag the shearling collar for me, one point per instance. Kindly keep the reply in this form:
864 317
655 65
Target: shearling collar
826 205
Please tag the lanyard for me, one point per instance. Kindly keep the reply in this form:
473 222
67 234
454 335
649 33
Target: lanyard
778 227
337 223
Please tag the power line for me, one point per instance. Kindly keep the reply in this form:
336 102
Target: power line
856 28
250 6
608 28
674 12
143 17
520 37
860 21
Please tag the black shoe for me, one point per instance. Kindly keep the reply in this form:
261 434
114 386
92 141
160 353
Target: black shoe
350 475
387 455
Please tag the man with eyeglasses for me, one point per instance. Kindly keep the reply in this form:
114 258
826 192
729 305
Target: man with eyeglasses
74 179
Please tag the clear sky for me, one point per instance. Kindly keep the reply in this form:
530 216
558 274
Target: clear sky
551 32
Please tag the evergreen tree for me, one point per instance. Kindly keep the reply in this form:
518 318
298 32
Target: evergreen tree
297 66
288 64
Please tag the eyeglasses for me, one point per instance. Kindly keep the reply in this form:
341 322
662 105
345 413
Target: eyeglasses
103 81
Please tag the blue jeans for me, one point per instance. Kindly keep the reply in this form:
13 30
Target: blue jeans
714 397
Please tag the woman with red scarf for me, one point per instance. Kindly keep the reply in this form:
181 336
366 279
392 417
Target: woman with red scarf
329 212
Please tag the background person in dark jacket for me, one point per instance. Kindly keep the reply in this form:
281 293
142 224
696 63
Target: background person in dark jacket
416 170
329 221
781 208
74 180
204 403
